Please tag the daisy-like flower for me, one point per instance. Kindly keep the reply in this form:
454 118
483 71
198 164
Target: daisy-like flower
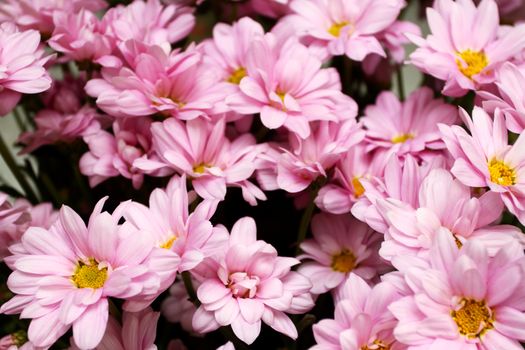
344 27
201 150
62 276
362 320
462 298
510 84
286 84
485 158
451 53
412 230
158 82
341 246
21 66
393 127
249 284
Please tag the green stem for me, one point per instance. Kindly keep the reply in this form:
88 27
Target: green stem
13 166
19 119
114 310
400 82
188 284
308 212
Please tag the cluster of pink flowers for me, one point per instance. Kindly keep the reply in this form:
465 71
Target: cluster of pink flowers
411 209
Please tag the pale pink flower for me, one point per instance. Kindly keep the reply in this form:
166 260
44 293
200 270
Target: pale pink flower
410 127
113 154
14 220
412 230
485 158
462 298
138 332
361 319
38 14
63 276
451 53
286 84
22 68
149 22
345 188
249 283
177 308
308 159
79 36
341 246
200 149
510 85
175 84
53 126
41 215
401 180
270 8
343 27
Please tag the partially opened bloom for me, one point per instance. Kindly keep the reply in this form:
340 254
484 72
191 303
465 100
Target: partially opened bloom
22 68
410 127
248 284
200 149
485 158
341 246
287 85
344 27
462 298
63 276
14 220
451 53
412 230
138 332
361 320
511 100
177 308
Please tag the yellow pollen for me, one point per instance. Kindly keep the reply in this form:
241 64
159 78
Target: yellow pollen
377 345
358 187
473 319
344 261
458 242
335 29
501 173
200 169
471 62
237 76
402 138
89 275
169 243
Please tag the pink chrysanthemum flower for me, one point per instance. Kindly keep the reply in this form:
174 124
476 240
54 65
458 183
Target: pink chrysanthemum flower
451 53
41 215
361 319
462 298
344 27
38 14
14 220
410 127
113 154
270 8
412 230
63 276
201 150
21 66
510 84
345 187
138 332
287 85
248 283
308 159
486 159
157 82
401 181
177 308
341 246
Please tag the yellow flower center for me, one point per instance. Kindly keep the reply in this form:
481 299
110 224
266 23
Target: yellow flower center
473 319
471 62
344 261
237 76
402 138
89 275
376 345
335 29
501 173
200 169
169 243
358 187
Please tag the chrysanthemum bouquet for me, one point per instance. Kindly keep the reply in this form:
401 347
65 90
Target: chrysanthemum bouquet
254 175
